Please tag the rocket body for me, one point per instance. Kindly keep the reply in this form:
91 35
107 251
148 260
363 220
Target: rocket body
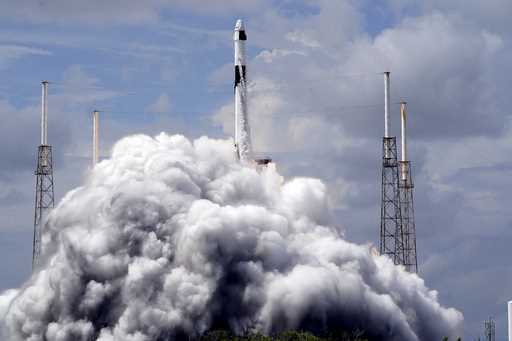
242 131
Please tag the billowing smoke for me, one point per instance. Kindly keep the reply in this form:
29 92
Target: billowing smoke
171 238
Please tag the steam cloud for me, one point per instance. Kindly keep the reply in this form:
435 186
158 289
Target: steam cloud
171 238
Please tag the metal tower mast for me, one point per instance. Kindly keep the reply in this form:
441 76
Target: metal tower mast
490 330
44 180
406 186
391 234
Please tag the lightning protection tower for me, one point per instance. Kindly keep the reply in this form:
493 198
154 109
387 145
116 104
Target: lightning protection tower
406 200
490 330
44 180
391 234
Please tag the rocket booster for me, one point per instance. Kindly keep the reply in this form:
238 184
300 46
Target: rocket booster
242 132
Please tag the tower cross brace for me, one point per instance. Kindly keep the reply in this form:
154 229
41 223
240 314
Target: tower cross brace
44 197
407 214
391 232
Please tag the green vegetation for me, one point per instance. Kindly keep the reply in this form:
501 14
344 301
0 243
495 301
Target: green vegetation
222 335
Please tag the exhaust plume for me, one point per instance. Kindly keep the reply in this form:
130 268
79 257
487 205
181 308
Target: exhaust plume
170 238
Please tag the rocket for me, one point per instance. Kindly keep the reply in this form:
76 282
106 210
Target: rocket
243 146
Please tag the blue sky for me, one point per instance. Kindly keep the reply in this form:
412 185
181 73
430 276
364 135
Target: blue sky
316 106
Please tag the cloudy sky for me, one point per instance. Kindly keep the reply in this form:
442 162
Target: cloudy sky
316 104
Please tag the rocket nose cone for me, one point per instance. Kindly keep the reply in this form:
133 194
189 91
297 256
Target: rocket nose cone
239 26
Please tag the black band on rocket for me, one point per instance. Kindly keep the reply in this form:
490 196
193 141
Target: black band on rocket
238 76
240 35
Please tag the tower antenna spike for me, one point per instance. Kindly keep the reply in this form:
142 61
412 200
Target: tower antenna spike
387 103
44 113
509 306
403 123
95 137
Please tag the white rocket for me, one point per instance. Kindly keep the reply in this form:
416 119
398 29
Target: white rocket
243 145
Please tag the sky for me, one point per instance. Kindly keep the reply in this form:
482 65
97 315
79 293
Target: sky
316 86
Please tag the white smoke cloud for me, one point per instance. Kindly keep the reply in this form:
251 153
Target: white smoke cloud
5 300
171 237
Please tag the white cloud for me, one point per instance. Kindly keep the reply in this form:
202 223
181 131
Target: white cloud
11 52
268 56
302 38
127 12
162 105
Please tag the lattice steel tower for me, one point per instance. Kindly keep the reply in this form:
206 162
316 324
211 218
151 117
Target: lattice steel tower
490 330
406 186
391 234
44 180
